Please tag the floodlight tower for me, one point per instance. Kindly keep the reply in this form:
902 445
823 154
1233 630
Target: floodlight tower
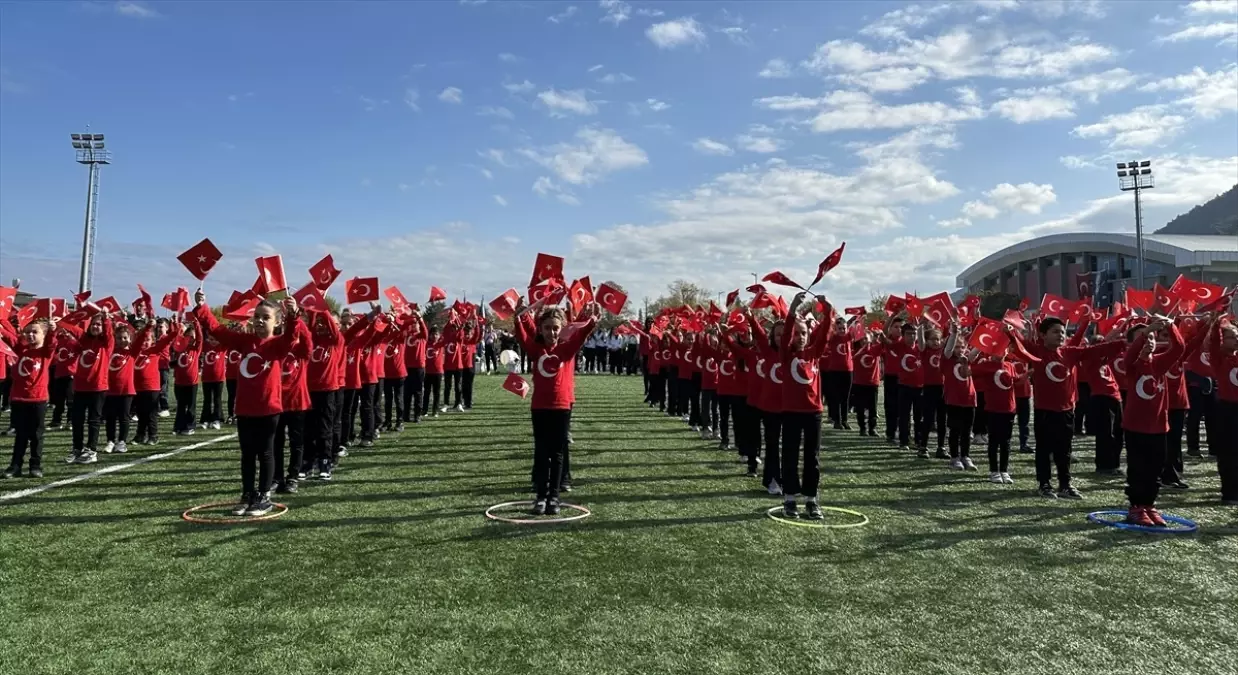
91 152
1137 176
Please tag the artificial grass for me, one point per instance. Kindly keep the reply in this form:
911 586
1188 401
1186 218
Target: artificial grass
391 568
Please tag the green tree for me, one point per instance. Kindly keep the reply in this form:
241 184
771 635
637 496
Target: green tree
994 304
681 292
434 314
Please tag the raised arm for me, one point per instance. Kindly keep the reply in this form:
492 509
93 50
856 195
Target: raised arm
226 337
1162 363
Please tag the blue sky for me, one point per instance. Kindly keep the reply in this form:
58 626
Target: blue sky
447 143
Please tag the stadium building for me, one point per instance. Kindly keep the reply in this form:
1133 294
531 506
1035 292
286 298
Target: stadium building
1051 264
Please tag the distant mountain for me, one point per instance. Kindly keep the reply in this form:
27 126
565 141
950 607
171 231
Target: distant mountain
1216 216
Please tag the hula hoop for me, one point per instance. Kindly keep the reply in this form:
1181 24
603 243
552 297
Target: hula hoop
584 513
189 517
1187 525
820 525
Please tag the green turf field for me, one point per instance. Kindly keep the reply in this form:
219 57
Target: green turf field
392 568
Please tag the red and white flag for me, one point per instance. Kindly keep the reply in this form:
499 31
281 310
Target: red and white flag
271 271
398 302
8 296
516 385
990 338
611 299
580 293
361 289
309 297
324 273
437 294
200 259
781 279
831 261
1056 306
504 306
546 267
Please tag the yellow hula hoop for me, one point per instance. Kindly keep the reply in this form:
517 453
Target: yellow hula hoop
820 525
583 513
189 517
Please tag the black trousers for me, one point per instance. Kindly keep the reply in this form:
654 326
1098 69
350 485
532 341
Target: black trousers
348 425
1202 410
1001 427
433 383
1023 413
186 402
1106 416
451 385
709 408
981 425
771 426
6 388
147 403
1054 431
671 375
909 411
413 384
320 428
165 378
747 431
550 429
87 413
116 415
212 402
62 396
690 398
801 434
889 396
1083 392
393 401
932 414
1145 459
256 436
231 387
837 386
959 420
645 375
726 403
369 411
1225 445
864 402
337 422
1172 470
467 376
492 358
27 421
290 432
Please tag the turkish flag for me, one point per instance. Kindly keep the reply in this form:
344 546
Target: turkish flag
732 297
180 301
144 299
170 298
831 261
581 293
915 307
781 279
516 385
855 311
398 301
7 296
1085 284
1221 304
762 301
1056 306
437 294
1082 310
715 313
309 297
1015 318
939 309
1117 313
780 306
109 304
27 314
200 259
271 271
361 289
1199 292
1166 303
1136 299
1023 304
969 311
80 299
547 267
57 308
244 311
611 299
504 306
6 352
324 273
990 338
894 305
756 289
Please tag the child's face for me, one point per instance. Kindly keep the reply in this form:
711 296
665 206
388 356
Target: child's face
777 333
149 341
123 339
1054 337
33 334
933 340
161 329
96 326
1229 337
800 339
263 322
550 330
895 331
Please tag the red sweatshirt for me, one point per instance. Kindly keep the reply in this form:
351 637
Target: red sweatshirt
1224 367
837 354
64 364
958 388
771 361
32 368
120 375
214 364
801 387
294 392
1053 378
258 392
146 363
1146 409
328 342
999 395
95 353
415 344
185 366
868 365
554 378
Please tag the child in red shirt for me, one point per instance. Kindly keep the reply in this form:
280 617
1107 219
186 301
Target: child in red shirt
28 392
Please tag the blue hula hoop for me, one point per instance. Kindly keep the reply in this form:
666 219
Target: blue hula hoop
1186 525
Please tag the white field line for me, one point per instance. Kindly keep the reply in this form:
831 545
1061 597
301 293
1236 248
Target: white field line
111 468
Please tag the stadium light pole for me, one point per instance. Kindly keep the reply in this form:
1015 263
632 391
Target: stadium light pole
91 152
1135 177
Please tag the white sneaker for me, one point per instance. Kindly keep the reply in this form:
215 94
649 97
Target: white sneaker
775 488
72 458
956 463
108 448
995 478
133 418
187 432
164 413
202 426
686 418
459 407
87 457
968 464
443 409
706 434
215 425
695 428
1007 479
121 448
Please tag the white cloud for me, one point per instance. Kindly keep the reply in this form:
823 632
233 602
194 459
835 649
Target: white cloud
1074 162
519 87
498 199
410 99
574 101
616 11
1208 94
676 33
858 110
967 95
614 78
1093 85
451 95
1026 197
135 10
546 187
498 157
775 69
564 15
594 154
975 209
792 102
650 12
403 187
762 144
1034 108
487 173
1213 7
954 223
708 146
736 34
1227 31
656 105
1140 127
495 111
594 68
508 57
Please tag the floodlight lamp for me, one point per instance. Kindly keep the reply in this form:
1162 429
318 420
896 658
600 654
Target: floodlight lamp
75 137
1146 162
1146 171
1121 174
1121 165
